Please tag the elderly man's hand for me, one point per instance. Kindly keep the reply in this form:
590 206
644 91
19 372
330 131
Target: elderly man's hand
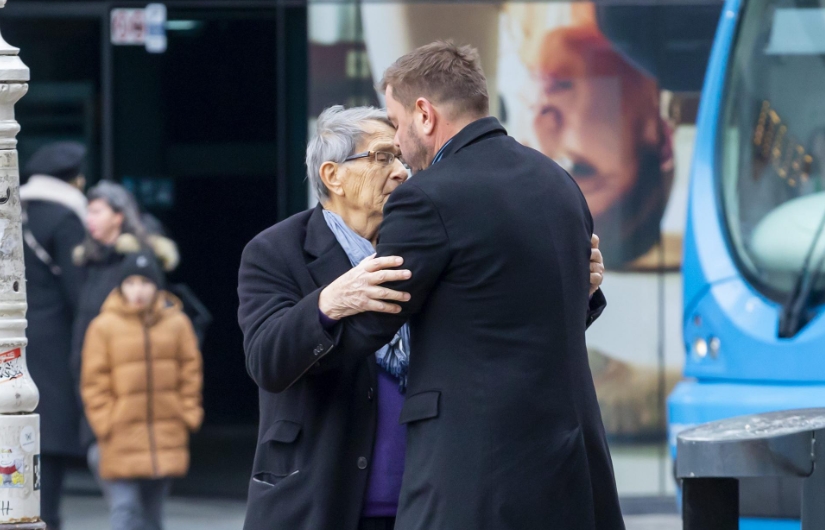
359 289
596 265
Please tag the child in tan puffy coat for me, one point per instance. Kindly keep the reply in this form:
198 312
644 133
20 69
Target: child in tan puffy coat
141 387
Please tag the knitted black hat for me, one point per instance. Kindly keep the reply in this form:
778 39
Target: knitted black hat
63 160
141 264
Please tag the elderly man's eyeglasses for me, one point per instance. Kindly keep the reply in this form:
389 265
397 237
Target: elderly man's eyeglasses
382 157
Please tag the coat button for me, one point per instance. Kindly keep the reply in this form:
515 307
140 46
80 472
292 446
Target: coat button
370 394
318 349
362 462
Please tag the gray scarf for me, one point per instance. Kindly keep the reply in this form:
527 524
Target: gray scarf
394 357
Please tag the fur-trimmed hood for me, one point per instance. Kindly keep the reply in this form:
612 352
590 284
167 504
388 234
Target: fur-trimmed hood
164 248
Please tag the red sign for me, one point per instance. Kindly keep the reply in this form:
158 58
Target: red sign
128 26
10 355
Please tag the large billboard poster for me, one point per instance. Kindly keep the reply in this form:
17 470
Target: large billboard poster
559 85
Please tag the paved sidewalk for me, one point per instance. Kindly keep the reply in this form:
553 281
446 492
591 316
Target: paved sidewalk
89 513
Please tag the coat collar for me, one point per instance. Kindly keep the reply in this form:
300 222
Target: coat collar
51 189
470 134
328 260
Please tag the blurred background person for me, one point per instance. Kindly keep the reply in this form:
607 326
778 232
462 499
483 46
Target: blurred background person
141 386
114 230
193 307
53 211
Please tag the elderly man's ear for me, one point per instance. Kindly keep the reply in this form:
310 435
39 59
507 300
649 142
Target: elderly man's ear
331 174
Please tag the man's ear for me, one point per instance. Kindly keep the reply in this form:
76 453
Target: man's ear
425 113
331 174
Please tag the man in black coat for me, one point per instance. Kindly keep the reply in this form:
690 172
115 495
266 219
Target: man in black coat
503 427
54 207
331 452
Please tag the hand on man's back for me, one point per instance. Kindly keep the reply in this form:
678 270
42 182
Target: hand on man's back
359 289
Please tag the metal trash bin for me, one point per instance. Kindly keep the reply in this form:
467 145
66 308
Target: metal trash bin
711 458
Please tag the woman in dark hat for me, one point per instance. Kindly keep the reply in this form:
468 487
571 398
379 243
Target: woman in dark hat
54 208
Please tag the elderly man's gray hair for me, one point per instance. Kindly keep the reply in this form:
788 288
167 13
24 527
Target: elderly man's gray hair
337 135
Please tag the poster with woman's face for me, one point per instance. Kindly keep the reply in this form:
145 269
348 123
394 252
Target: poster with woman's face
560 86
569 93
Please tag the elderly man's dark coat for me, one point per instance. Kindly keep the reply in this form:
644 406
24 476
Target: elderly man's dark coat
317 407
504 430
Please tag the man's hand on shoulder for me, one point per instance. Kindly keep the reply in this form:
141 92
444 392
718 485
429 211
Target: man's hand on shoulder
359 289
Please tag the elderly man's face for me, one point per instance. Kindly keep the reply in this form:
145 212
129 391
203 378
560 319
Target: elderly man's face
368 183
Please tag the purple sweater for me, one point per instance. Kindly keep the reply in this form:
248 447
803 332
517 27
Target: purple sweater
387 466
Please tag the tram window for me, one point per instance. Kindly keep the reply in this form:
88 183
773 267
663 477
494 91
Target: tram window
772 142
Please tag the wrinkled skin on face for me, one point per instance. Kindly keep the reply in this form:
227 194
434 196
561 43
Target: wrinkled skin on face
359 188
368 183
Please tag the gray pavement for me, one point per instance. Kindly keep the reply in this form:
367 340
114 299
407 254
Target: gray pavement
89 513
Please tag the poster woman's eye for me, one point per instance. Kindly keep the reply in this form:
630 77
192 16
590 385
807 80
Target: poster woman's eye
555 85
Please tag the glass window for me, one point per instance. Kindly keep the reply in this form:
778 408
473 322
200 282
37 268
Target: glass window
773 142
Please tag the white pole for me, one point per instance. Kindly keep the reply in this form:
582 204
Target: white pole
19 427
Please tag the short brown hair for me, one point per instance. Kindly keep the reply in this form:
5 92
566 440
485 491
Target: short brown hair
442 72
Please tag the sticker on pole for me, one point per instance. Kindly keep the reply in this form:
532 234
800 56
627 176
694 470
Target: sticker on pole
10 365
128 27
12 468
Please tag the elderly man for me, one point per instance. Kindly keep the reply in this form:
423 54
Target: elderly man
503 427
331 449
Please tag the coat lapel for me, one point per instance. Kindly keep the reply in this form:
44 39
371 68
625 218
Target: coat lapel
327 259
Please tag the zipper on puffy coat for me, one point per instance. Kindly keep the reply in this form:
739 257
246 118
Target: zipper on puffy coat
149 396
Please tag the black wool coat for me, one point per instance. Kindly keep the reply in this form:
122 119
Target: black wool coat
503 427
317 388
53 301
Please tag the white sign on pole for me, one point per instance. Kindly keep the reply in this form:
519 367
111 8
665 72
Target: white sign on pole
128 26
155 23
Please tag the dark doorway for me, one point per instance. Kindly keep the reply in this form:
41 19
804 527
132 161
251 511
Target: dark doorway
210 136
196 139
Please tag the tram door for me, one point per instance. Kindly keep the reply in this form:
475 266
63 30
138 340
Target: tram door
199 135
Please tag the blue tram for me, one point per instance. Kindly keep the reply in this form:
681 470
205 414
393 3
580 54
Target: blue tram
754 254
